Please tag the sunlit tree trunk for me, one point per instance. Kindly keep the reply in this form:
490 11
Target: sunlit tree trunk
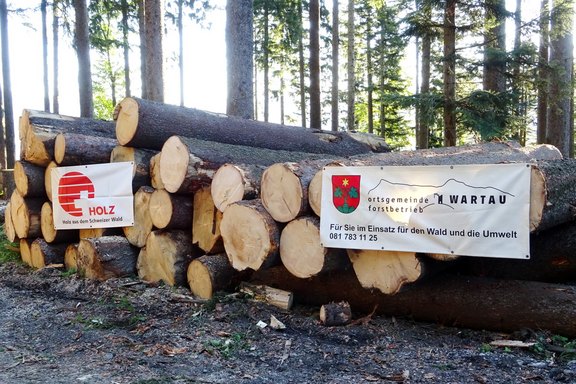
424 115
43 11
315 108
560 132
495 47
55 56
302 68
351 99
369 69
449 74
180 25
143 49
335 64
82 43
239 45
154 57
266 50
126 48
542 109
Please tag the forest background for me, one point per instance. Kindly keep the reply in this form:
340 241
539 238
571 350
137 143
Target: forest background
419 73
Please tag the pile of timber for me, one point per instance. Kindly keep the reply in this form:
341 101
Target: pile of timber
222 203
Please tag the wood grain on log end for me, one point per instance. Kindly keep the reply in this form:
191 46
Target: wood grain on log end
45 254
25 214
137 233
282 192
170 211
126 116
206 221
174 163
209 274
25 253
251 236
106 257
387 271
232 183
48 179
71 256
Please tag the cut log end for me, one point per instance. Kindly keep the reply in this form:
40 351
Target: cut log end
335 314
126 116
174 163
227 186
59 148
282 193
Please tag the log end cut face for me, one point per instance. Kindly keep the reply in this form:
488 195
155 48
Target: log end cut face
174 161
300 249
227 186
281 192
160 208
126 116
200 280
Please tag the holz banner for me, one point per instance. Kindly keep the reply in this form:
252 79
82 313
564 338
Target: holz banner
473 210
93 196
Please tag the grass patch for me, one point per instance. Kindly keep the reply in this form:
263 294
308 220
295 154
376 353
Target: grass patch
9 251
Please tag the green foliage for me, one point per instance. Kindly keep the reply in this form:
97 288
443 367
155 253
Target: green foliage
228 346
486 114
556 346
9 251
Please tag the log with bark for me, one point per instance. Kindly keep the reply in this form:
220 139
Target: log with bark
106 257
25 213
335 314
155 177
500 305
167 256
188 164
79 149
29 179
45 254
235 182
51 234
206 221
9 228
251 236
302 252
86 233
138 122
141 159
267 294
136 234
48 179
38 131
7 182
170 211
209 274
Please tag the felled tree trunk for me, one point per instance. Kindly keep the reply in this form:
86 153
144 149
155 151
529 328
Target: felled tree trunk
45 254
251 236
136 234
9 228
209 274
453 300
235 182
79 149
140 157
26 214
86 233
155 177
170 211
206 221
335 314
188 164
138 120
167 255
25 253
51 234
106 257
29 179
48 179
302 253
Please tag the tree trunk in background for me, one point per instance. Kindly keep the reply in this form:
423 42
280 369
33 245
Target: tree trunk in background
335 64
55 58
265 48
315 108
143 48
126 47
543 73
43 6
351 64
8 109
181 51
520 111
302 68
154 57
82 42
494 79
239 46
369 70
426 110
449 74
559 130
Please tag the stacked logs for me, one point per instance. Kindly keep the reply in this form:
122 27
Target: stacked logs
220 201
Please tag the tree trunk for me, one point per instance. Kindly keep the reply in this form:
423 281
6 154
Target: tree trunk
335 102
137 233
235 182
9 228
335 314
44 254
251 236
79 149
170 211
167 256
449 76
137 123
302 253
29 179
451 300
542 85
55 57
140 157
51 234
187 164
210 274
8 110
82 45
314 65
351 99
106 257
153 53
206 223
26 213
86 233
239 48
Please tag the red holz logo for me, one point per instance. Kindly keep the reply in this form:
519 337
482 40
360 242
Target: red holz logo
74 186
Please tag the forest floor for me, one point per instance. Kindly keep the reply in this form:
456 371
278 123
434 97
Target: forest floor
61 328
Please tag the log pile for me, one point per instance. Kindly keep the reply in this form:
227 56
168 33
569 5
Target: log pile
222 203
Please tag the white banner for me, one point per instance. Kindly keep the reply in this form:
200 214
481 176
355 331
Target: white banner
93 196
473 210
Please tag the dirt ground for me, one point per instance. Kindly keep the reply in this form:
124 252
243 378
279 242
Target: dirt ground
64 329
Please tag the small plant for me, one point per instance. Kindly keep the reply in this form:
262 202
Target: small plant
9 251
556 346
485 348
227 347
69 272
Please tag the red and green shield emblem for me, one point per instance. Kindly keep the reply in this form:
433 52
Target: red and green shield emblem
346 192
